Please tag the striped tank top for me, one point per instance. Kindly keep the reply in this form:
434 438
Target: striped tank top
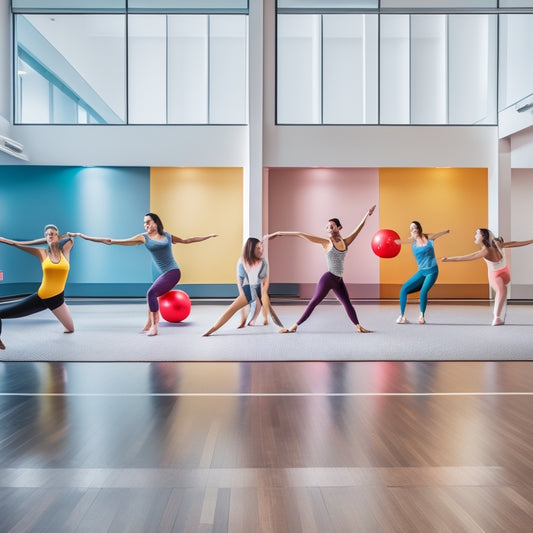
335 260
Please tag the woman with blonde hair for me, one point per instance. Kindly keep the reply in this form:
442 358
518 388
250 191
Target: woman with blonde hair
50 295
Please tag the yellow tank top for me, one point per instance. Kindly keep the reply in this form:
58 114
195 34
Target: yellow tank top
54 277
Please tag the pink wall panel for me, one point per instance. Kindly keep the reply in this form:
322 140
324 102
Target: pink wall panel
304 199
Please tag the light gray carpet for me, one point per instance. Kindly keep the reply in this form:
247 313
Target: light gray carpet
109 331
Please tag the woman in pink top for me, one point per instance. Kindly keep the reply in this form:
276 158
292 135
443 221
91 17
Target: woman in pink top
498 271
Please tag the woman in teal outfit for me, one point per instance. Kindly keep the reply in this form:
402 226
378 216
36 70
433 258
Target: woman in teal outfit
428 270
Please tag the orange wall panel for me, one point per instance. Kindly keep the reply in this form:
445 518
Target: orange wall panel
200 201
439 198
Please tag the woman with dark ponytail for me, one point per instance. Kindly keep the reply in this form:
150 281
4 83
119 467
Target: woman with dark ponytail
491 250
428 270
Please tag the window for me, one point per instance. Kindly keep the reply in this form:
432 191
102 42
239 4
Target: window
66 62
185 68
327 69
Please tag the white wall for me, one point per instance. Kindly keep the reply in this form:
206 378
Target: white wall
521 229
134 145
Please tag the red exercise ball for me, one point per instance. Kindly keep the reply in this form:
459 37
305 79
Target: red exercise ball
383 244
175 306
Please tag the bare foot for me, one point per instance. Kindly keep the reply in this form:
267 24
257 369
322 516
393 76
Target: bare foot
498 321
421 319
265 323
401 320
2 346
207 333
146 327
292 329
242 324
152 331
361 329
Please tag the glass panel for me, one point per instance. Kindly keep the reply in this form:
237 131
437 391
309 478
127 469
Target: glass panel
69 6
441 4
350 69
428 69
228 100
190 6
82 55
325 5
472 69
299 69
147 69
394 69
516 43
64 109
516 3
34 91
187 69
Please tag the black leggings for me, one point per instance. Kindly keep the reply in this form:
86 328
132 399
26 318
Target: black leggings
30 305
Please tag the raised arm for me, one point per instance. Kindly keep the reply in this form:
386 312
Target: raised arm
132 241
480 254
190 240
516 244
433 236
311 238
348 240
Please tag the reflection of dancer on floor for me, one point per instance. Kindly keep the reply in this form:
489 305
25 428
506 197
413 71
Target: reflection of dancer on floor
428 270
252 282
335 247
498 271
50 295
159 243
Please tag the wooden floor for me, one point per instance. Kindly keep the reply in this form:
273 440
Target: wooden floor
266 447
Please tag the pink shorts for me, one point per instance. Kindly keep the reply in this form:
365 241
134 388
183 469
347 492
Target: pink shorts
504 273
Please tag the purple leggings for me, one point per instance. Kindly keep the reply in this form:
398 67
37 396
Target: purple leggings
164 283
330 282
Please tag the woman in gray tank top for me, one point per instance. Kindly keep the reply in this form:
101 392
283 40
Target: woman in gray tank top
159 243
336 248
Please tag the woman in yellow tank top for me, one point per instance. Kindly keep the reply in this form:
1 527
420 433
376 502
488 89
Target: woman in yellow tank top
50 295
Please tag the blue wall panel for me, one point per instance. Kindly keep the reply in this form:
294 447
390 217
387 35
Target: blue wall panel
108 202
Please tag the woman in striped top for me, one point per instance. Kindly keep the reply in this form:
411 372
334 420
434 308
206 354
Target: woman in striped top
335 247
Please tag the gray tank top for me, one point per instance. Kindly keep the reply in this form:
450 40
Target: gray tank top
335 260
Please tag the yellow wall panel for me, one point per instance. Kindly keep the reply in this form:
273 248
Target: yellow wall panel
439 198
199 201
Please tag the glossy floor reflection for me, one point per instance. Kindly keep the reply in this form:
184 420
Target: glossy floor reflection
310 446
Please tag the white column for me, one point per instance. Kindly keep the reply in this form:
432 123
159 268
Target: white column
253 172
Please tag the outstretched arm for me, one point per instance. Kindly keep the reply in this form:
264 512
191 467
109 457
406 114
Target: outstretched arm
311 238
433 236
190 240
41 240
348 240
516 244
132 241
480 254
37 252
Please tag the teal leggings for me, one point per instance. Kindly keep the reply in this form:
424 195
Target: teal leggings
421 281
